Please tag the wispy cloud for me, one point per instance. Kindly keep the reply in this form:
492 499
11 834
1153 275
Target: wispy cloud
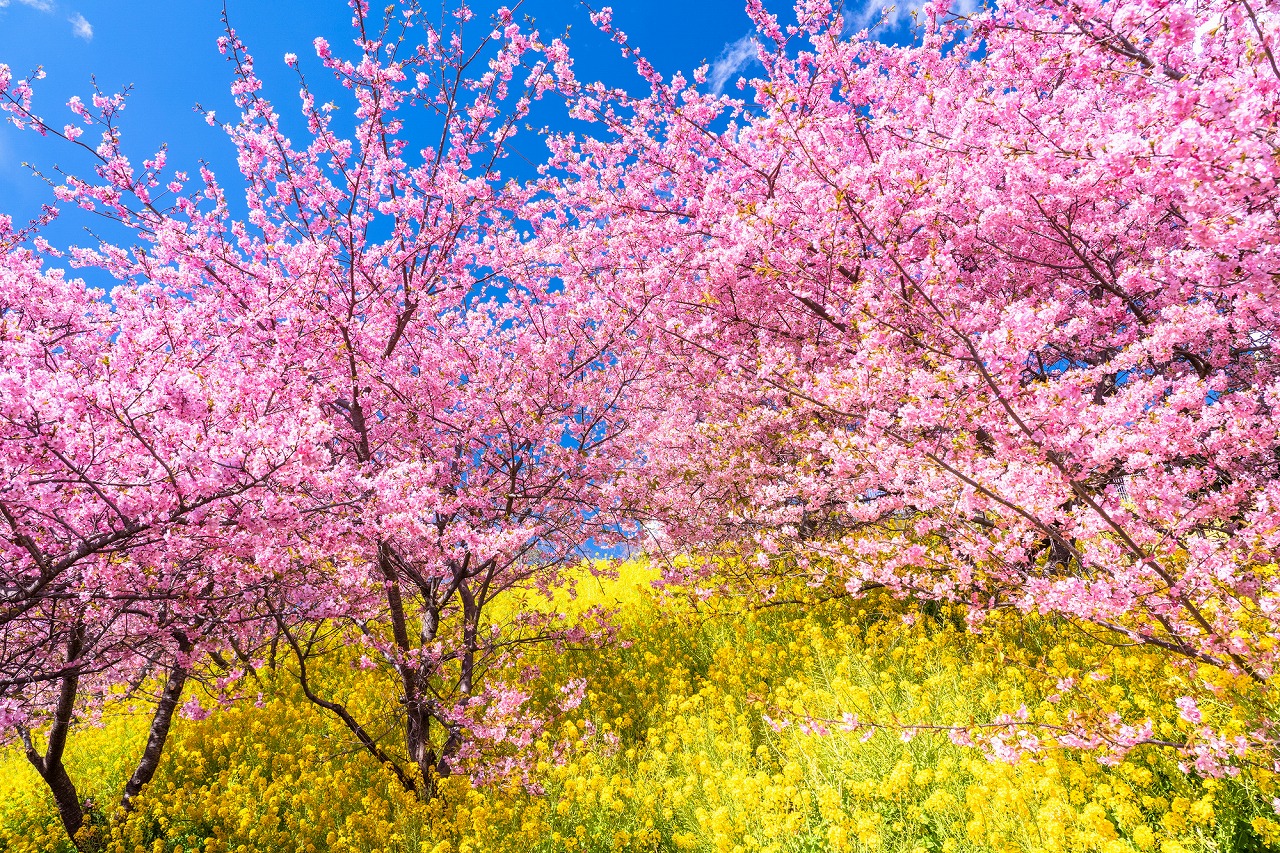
81 28
869 13
735 57
42 5
862 14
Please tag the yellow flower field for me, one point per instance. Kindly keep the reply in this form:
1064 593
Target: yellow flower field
703 731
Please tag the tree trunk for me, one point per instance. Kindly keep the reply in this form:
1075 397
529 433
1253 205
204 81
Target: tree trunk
417 736
160 723
470 633
67 798
49 765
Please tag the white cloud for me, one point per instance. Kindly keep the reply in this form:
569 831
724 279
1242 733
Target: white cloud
80 27
735 57
38 5
873 12
863 14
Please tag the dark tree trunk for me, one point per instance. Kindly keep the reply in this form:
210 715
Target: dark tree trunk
466 679
160 724
417 736
53 771
49 765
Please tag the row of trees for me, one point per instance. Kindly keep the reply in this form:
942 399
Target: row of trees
987 318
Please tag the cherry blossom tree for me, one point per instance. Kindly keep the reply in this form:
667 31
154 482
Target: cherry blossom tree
127 459
986 318
405 423
474 419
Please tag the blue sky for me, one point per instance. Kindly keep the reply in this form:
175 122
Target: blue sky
167 52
